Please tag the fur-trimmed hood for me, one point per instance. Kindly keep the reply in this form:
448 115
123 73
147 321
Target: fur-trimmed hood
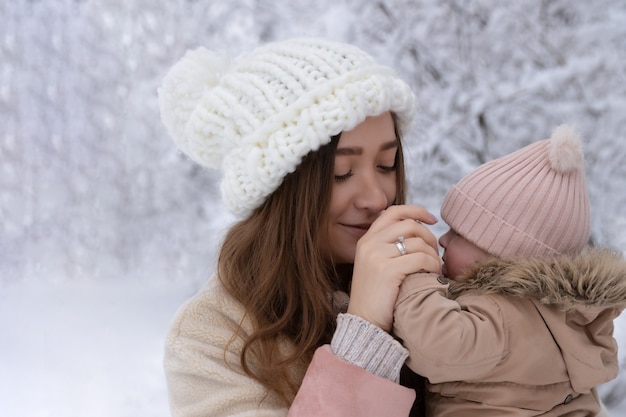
596 277
577 297
534 334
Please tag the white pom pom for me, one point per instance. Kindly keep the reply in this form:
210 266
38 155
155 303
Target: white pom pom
184 86
565 150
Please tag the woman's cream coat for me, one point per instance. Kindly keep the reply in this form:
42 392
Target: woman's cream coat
524 338
205 378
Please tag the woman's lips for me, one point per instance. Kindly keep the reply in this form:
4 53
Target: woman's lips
356 229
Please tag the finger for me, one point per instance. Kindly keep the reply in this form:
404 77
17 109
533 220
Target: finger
394 214
419 261
417 255
427 236
418 245
400 247
409 229
403 246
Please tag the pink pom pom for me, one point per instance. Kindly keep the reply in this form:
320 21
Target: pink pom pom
565 150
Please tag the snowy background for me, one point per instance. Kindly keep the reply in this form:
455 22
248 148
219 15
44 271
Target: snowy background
105 229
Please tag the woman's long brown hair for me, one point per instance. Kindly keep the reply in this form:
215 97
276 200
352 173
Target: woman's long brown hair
275 263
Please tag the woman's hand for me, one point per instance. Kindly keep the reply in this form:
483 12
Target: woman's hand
379 266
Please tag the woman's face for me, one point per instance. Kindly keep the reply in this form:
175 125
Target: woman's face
364 183
459 254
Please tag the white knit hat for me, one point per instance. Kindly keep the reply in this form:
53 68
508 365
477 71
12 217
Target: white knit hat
257 116
532 202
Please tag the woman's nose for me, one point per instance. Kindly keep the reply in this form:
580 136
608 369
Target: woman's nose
372 196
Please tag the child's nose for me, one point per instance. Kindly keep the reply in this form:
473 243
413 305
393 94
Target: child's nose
445 238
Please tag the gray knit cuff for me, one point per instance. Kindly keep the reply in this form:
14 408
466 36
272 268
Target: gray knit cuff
364 344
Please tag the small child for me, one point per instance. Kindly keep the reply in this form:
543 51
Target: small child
524 326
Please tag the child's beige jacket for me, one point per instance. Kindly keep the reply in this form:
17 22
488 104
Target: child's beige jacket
517 338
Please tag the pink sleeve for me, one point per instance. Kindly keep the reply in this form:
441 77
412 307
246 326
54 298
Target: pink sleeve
334 387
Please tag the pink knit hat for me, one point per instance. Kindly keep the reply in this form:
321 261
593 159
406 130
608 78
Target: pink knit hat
532 202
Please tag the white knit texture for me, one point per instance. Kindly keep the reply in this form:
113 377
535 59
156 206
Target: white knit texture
182 91
257 117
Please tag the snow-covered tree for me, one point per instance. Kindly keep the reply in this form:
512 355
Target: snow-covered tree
91 185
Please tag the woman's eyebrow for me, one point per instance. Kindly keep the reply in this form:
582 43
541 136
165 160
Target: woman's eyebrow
357 150
389 145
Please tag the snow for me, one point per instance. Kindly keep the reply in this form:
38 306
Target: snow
95 349
105 229
85 349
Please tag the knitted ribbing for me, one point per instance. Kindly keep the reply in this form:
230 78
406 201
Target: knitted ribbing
257 116
532 202
361 343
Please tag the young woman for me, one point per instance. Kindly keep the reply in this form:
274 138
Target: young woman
295 321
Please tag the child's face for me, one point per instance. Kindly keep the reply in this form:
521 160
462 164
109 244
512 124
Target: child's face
459 253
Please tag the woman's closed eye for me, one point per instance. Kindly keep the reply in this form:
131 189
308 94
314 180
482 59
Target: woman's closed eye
343 177
383 168
387 168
